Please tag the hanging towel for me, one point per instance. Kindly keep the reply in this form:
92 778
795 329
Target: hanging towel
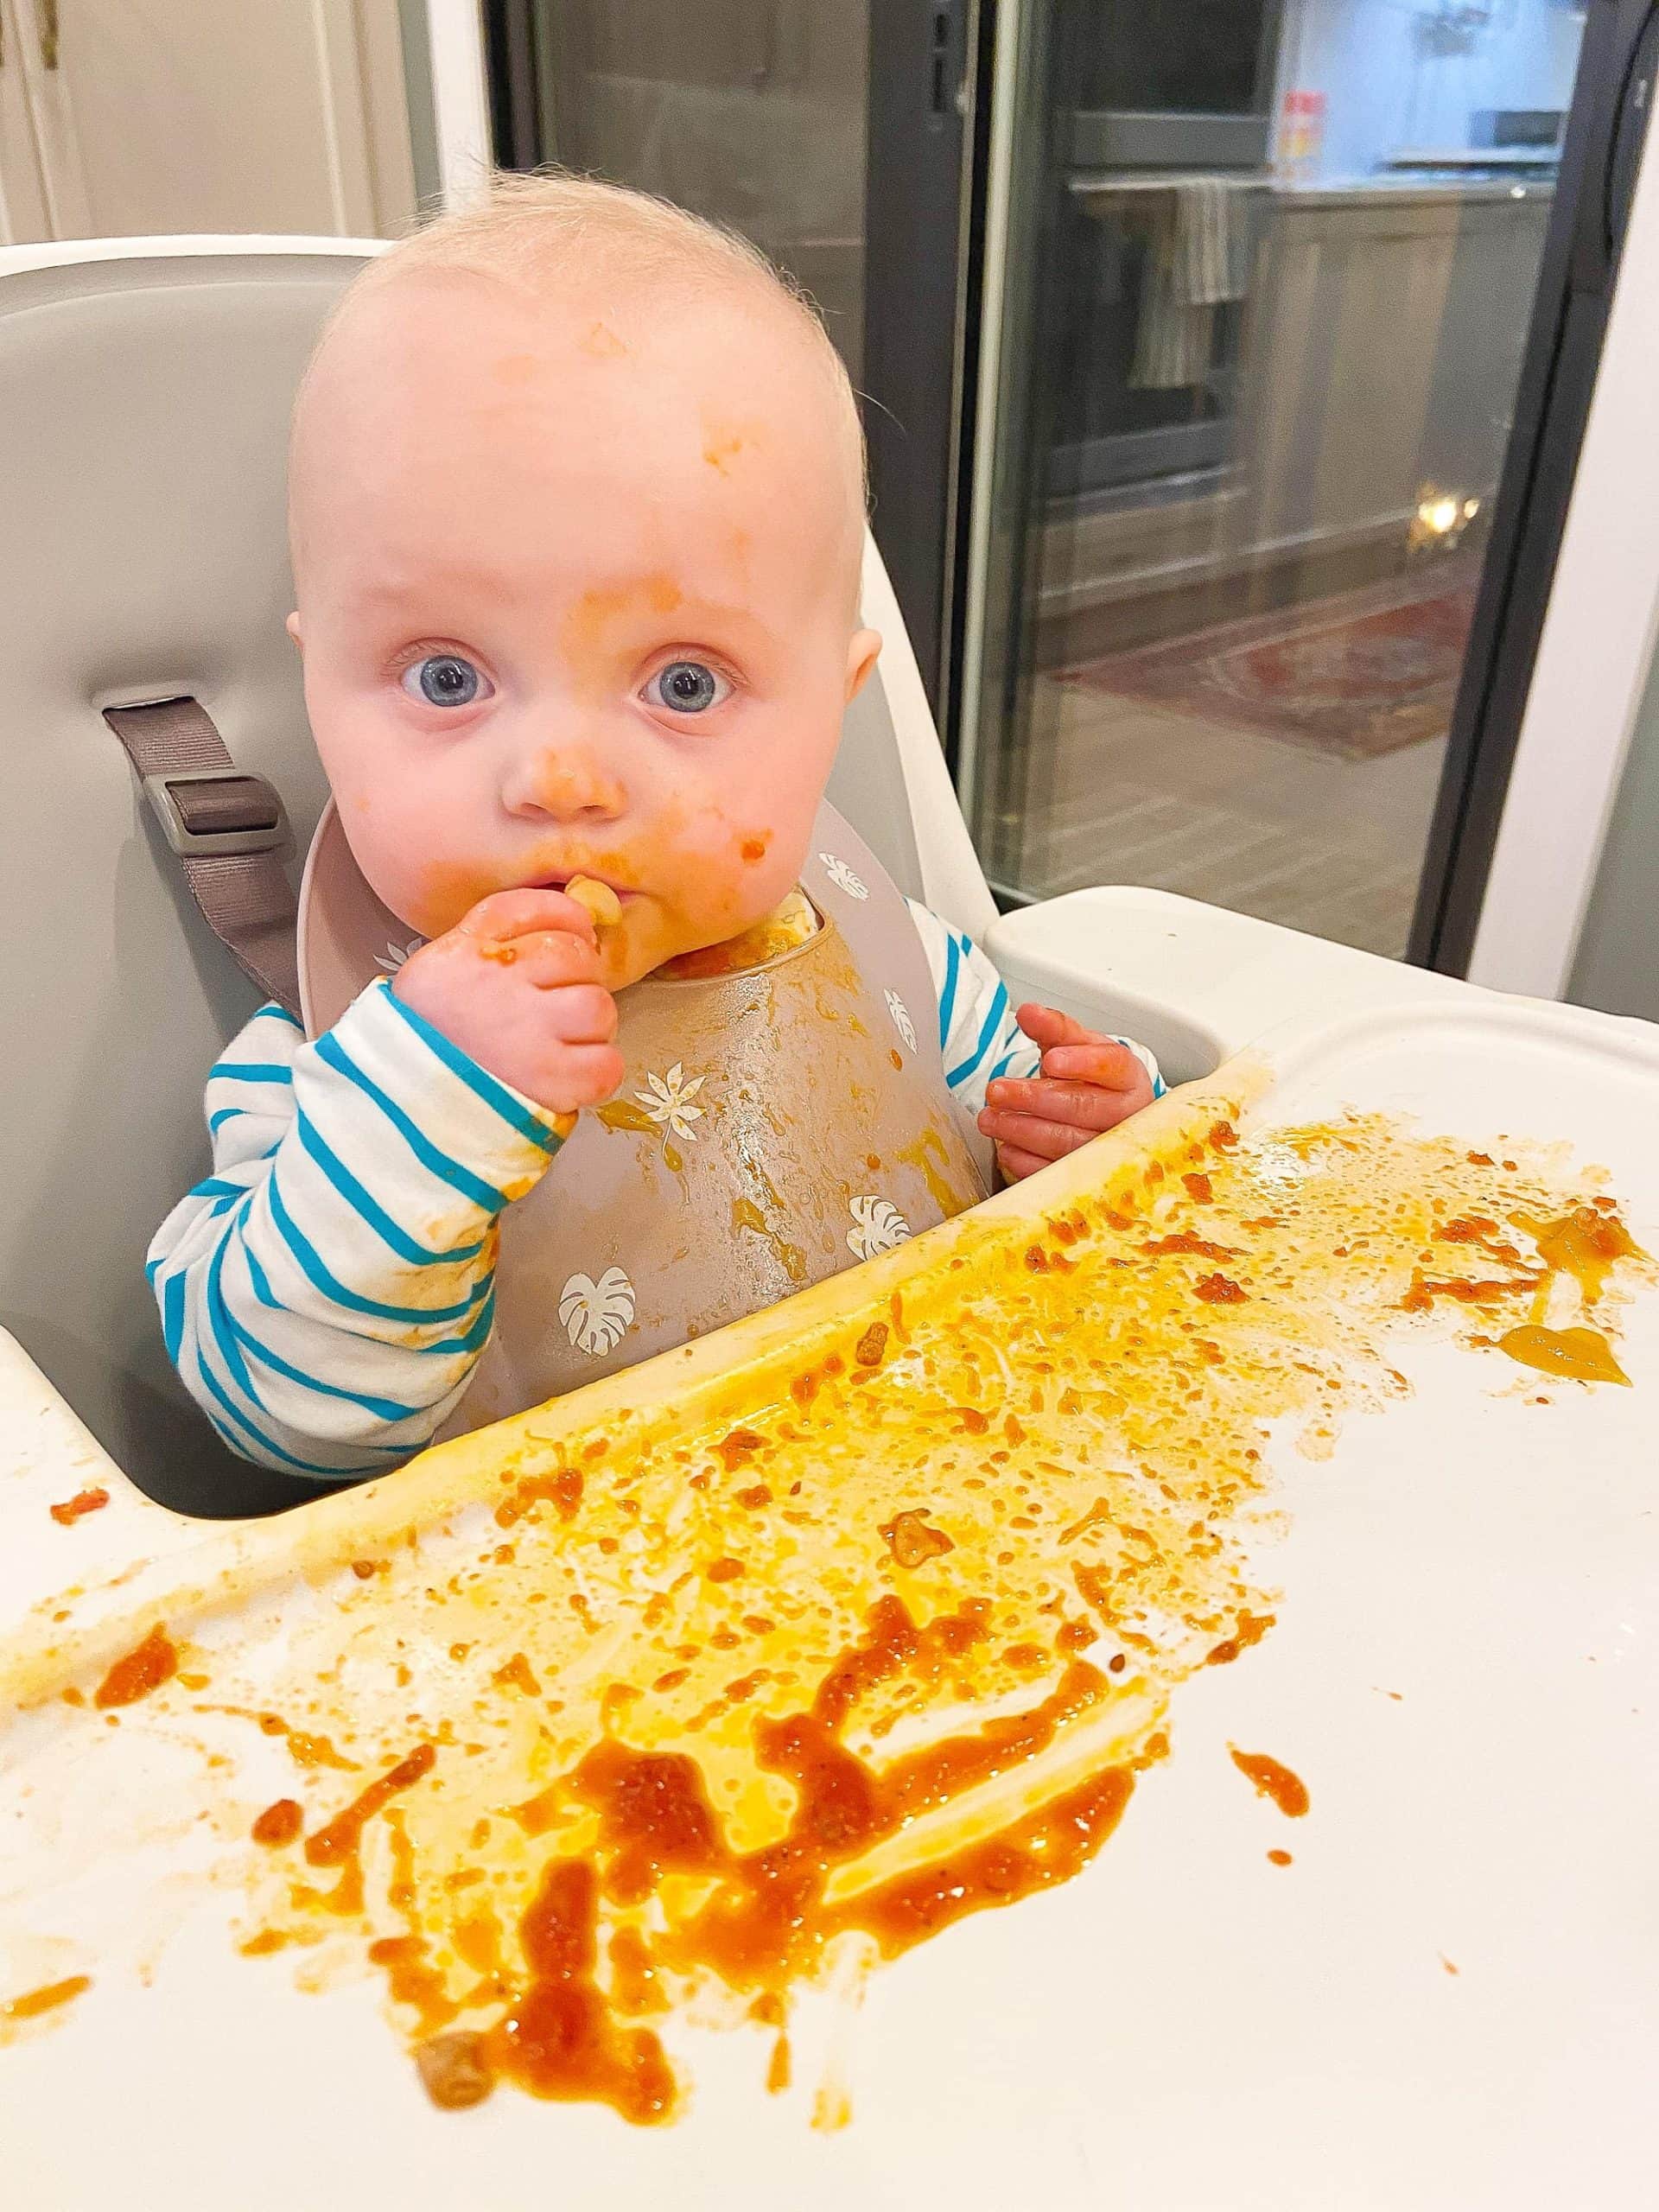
1197 258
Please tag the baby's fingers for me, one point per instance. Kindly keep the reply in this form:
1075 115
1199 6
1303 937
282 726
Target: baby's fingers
1101 1061
1087 1106
1048 1140
506 914
1046 1026
1017 1165
586 1076
552 960
580 1014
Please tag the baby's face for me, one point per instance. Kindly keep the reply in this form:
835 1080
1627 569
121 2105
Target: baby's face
575 599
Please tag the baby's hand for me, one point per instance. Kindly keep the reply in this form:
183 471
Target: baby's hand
516 985
1088 1082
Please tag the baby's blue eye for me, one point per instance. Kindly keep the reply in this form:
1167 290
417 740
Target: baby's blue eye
445 680
687 687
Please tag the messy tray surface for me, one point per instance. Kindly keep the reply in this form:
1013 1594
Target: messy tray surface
678 1712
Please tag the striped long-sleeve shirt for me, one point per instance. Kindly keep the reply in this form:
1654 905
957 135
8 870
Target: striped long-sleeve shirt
325 1292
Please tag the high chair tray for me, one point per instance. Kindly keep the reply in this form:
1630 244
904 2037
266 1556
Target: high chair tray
1443 1990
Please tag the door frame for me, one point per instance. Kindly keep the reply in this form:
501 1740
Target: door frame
1513 843
1594 656
460 98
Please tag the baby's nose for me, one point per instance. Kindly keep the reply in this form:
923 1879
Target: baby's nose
564 784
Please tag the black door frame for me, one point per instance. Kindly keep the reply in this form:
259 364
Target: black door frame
1563 351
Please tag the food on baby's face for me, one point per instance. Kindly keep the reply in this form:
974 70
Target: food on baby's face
600 901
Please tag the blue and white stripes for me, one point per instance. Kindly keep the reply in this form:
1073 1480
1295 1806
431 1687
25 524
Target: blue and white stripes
978 1035
325 1292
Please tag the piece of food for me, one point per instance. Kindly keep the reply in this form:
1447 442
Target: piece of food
599 898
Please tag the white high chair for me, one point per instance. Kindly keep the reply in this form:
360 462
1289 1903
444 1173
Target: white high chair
144 392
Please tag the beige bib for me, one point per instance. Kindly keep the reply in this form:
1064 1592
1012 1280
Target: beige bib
775 1124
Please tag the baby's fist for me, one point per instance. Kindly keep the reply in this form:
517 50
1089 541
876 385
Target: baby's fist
515 984
1088 1082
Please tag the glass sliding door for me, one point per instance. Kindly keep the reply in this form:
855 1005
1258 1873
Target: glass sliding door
1269 275
833 134
752 114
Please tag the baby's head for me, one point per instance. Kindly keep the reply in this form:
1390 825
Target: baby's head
577 509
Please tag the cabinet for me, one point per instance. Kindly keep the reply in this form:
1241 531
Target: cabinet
126 117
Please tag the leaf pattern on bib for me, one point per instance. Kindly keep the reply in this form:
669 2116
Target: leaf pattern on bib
667 1101
843 878
393 957
878 1225
597 1315
902 1020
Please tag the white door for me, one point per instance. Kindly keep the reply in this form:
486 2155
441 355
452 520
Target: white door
24 220
167 116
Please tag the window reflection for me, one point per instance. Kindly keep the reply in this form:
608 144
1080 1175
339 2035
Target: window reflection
1288 263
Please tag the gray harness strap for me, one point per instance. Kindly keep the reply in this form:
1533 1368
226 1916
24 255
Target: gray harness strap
226 828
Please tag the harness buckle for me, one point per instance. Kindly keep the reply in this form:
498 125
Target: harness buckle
217 813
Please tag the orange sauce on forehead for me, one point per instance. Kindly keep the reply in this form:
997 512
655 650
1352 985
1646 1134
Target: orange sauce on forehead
606 605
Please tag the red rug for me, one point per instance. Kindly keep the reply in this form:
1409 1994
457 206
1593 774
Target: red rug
1355 676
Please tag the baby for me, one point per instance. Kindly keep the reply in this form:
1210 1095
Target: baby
577 512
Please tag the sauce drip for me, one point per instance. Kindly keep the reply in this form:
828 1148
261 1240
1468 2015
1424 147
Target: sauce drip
73 1509
33 2002
332 1846
145 1668
1287 1790
912 1540
1584 1354
1585 1244
768 1915
278 1824
560 2038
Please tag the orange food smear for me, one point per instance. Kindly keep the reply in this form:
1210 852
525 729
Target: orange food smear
1287 1790
1582 1355
145 1668
332 1846
279 1824
74 1508
47 1999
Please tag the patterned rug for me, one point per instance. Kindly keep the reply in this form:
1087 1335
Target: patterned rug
1355 676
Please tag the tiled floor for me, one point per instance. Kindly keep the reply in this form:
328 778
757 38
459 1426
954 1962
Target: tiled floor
1135 794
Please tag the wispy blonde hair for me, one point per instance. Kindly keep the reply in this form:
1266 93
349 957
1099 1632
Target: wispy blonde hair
532 228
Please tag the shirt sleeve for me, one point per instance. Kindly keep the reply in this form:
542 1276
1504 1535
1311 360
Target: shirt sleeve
325 1293
978 1035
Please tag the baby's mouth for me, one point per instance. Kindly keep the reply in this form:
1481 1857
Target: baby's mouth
563 878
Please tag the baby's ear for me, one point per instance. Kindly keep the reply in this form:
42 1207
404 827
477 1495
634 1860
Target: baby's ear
292 627
861 659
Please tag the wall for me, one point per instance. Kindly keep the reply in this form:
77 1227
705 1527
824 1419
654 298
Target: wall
1617 965
1386 86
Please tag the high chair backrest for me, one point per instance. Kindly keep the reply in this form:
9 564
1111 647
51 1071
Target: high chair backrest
145 386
